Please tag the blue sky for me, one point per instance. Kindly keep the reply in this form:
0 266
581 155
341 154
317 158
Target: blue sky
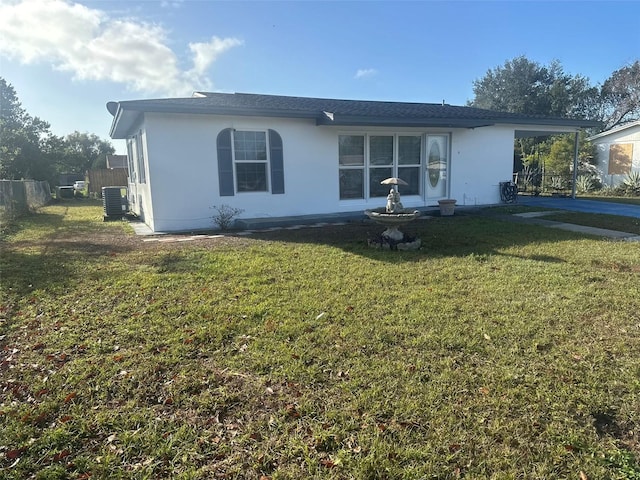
67 59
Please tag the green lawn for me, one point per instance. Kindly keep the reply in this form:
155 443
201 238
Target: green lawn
497 351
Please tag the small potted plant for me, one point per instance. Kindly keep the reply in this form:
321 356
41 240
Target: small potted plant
447 207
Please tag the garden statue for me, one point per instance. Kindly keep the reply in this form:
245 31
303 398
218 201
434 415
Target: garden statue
394 205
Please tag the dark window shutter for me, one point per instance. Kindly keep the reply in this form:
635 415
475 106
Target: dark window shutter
277 162
225 163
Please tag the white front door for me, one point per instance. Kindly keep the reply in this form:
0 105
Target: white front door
437 168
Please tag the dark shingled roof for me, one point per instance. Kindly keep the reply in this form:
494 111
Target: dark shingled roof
326 111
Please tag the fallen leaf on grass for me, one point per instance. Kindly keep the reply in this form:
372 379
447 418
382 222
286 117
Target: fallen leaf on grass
65 418
61 455
70 397
583 476
292 411
325 462
13 454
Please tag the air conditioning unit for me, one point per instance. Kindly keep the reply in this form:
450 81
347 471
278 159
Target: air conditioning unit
115 203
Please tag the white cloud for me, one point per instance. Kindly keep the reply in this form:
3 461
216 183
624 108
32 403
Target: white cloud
171 4
366 72
204 54
92 46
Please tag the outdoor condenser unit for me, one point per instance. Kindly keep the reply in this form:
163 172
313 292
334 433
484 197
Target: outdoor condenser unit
114 200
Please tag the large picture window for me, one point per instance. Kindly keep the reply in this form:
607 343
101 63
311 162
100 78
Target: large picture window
409 158
384 156
380 164
351 161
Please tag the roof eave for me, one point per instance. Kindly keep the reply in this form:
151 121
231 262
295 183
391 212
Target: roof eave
618 129
217 110
366 121
123 122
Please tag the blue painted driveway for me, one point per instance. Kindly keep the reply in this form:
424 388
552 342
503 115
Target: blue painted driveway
578 205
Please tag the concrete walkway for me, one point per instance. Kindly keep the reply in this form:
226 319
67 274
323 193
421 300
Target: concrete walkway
535 218
578 205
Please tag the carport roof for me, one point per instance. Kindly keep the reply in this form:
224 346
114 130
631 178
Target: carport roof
326 111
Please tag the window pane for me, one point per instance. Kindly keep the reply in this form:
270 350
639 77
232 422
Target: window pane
351 183
411 175
376 175
250 145
251 177
351 149
381 150
409 150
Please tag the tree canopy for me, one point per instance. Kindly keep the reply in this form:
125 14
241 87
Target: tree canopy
525 86
21 155
29 150
620 95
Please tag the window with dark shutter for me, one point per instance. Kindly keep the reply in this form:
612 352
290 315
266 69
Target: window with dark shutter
246 159
277 162
225 163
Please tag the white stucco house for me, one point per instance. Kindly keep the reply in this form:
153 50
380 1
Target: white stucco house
618 152
279 156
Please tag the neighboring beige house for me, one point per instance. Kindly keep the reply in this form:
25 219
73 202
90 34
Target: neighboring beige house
116 161
618 152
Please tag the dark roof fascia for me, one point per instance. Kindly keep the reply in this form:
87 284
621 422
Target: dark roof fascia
159 107
550 122
364 121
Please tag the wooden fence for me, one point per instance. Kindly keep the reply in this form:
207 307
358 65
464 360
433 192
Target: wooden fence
116 177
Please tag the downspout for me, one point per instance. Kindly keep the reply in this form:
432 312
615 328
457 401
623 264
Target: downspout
575 166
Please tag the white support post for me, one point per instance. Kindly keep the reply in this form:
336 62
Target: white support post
575 165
